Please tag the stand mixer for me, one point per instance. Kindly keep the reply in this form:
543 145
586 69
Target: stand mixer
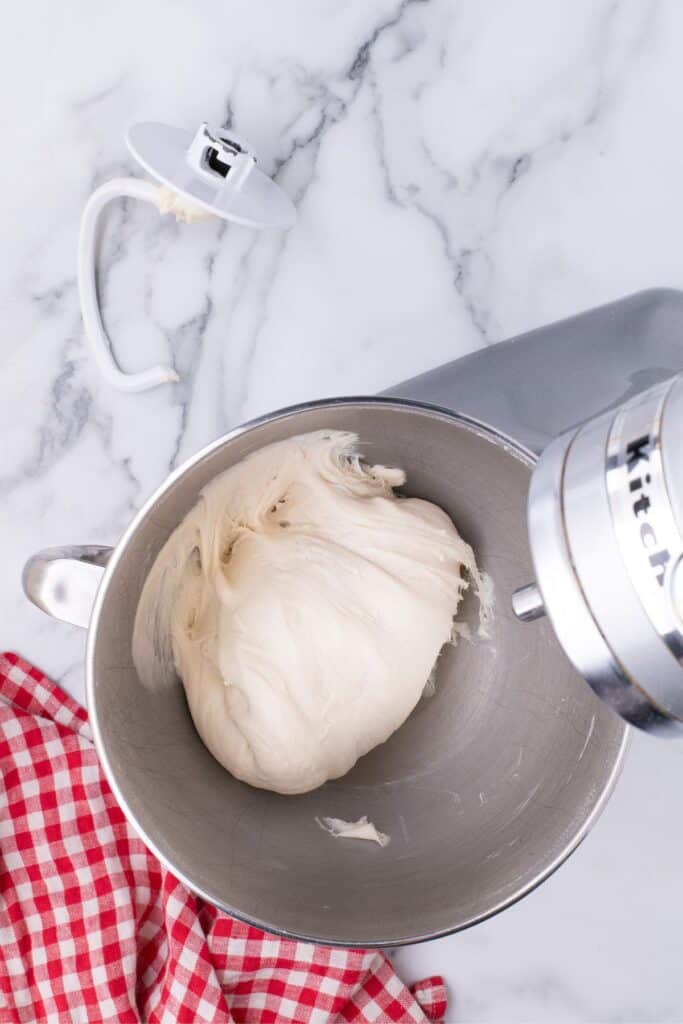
568 434
605 507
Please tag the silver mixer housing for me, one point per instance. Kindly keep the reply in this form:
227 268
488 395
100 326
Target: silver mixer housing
576 394
605 517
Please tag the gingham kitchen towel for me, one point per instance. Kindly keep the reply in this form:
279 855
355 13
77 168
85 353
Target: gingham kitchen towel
93 928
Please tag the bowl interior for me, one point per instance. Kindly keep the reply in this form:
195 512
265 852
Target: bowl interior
484 790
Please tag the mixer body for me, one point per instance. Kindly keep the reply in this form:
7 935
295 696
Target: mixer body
541 384
607 548
597 398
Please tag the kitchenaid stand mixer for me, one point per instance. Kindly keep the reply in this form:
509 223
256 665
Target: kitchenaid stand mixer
504 770
597 396
499 775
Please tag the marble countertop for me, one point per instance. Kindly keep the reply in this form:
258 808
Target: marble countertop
462 172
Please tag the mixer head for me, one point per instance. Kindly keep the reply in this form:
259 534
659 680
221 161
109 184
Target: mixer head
605 516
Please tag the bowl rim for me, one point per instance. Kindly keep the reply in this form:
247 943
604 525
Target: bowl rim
480 427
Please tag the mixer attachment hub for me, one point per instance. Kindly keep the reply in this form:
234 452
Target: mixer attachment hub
605 515
527 603
220 156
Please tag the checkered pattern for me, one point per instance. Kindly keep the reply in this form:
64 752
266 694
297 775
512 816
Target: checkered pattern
93 928
431 995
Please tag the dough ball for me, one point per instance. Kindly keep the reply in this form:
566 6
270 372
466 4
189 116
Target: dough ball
306 604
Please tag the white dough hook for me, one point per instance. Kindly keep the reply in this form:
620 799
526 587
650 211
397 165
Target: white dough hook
212 174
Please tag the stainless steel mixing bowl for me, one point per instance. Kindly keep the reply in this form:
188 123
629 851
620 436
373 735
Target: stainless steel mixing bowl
484 791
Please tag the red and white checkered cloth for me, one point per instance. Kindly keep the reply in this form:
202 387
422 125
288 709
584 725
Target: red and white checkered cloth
93 928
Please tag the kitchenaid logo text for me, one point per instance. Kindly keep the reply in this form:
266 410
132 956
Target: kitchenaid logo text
637 465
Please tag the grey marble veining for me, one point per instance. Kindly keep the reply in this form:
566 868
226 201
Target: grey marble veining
463 172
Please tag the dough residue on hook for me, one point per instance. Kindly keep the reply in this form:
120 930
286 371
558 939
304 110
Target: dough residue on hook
184 210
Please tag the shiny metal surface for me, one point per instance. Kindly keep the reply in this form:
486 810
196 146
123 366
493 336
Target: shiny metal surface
672 449
537 386
485 790
63 581
649 539
563 597
527 603
602 573
606 546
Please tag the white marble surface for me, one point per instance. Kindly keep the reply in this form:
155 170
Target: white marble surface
463 171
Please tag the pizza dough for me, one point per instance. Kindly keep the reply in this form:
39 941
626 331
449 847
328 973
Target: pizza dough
304 605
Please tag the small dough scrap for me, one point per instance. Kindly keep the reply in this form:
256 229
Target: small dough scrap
361 829
303 604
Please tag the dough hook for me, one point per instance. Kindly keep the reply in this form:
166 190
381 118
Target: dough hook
211 174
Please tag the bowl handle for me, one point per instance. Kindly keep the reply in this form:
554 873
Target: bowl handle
63 581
